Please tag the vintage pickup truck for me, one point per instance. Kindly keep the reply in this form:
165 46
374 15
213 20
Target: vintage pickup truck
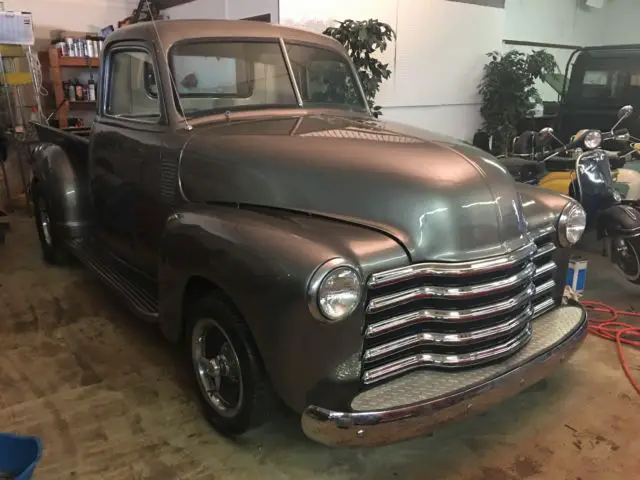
236 190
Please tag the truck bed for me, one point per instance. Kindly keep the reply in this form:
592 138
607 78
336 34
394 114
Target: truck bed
75 141
47 133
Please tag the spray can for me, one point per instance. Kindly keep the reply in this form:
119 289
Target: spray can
70 47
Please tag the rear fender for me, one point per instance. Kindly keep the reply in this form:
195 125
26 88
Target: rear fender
620 221
65 184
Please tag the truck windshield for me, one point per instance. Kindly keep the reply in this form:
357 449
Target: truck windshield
213 76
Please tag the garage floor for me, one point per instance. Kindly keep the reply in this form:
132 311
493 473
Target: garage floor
107 394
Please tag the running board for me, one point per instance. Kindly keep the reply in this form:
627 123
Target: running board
139 292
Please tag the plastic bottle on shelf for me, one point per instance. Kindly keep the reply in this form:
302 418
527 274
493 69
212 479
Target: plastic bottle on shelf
72 91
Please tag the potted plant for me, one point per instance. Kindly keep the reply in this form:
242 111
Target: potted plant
508 92
362 40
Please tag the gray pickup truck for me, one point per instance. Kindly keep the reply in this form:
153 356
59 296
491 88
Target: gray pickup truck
236 190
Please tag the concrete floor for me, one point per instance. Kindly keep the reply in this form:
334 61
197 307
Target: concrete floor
108 397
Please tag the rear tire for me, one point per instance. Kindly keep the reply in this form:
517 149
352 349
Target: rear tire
51 243
233 389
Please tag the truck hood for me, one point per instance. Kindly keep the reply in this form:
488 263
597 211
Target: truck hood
442 199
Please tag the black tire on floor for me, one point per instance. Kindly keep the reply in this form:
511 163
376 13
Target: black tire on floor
257 401
53 250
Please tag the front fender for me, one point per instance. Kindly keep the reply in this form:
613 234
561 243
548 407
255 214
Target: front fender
65 184
540 206
262 260
620 220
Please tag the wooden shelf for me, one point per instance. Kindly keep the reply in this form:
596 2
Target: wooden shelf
78 62
81 103
53 64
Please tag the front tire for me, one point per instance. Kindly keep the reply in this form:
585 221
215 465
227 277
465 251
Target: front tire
52 245
234 391
624 253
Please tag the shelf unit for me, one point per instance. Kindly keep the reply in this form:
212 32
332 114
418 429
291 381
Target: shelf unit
55 64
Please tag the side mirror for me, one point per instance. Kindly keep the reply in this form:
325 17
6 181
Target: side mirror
625 112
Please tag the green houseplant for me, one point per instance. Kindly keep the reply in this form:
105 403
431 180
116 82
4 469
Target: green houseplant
508 92
362 40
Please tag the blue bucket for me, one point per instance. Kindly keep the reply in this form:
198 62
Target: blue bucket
19 455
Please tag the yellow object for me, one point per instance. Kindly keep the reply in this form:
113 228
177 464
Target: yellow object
11 51
16 78
557 181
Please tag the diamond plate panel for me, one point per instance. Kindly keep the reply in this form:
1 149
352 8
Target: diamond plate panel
422 386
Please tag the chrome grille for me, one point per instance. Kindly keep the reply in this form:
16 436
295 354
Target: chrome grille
455 315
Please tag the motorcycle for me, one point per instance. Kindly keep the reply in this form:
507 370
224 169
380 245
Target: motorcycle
587 169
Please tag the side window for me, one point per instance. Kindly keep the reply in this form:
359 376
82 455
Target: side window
129 95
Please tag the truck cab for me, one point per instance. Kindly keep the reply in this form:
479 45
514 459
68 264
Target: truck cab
236 190
598 82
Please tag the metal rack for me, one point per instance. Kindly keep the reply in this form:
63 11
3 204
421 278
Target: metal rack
18 78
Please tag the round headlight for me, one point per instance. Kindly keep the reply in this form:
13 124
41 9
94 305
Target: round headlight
335 290
571 225
617 196
592 139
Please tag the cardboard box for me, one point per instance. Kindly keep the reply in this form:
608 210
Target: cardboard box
577 274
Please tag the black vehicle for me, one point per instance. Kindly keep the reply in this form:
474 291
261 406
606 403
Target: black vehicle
598 81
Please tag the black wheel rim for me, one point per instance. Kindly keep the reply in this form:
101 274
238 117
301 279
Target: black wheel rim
217 367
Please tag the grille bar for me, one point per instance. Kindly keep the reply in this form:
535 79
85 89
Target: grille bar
479 357
545 305
459 269
545 287
455 315
451 339
470 291
545 269
542 232
478 313
544 250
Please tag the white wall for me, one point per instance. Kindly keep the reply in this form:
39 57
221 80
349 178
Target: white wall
250 8
435 69
198 9
570 22
229 9
74 15
565 22
622 18
553 21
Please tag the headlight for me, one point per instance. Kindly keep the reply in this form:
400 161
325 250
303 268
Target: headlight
335 290
617 196
592 139
571 225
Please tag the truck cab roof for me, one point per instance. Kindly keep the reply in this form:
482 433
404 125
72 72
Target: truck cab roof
170 31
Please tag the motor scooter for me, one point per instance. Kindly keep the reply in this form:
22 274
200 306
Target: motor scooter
590 181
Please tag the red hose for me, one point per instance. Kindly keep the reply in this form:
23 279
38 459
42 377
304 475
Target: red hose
610 328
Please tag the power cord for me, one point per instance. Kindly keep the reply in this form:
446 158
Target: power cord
609 327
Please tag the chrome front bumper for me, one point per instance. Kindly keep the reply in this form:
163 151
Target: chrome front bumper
418 402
